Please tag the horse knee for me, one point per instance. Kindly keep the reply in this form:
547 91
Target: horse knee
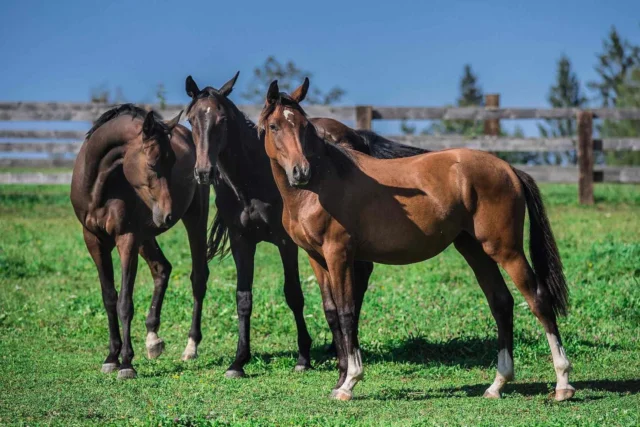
332 319
293 295
244 303
199 283
503 303
125 309
162 272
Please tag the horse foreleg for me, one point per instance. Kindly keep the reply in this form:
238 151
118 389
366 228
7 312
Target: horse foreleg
243 251
160 271
331 314
128 250
341 273
195 222
101 255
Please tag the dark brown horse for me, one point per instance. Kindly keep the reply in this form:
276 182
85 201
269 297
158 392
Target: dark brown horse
132 181
342 206
249 207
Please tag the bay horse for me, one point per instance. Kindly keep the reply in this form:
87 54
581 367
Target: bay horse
132 180
342 206
230 156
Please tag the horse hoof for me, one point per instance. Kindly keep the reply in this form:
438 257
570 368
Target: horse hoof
155 349
127 374
343 395
302 368
490 394
232 373
565 394
108 368
191 351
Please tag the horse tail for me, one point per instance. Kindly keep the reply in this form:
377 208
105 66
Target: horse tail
543 249
383 148
217 244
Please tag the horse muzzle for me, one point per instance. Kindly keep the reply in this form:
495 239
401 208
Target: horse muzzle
203 175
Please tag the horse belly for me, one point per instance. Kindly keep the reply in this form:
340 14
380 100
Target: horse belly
405 242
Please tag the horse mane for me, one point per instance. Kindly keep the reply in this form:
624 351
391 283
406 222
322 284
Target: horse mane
383 148
121 110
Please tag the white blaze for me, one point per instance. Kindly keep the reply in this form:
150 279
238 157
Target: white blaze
288 114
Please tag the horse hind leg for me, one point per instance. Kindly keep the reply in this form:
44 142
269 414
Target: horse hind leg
516 265
501 303
160 271
295 301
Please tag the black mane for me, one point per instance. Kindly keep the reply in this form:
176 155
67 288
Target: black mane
383 148
122 110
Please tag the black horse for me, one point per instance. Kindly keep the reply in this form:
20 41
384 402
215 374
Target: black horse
231 156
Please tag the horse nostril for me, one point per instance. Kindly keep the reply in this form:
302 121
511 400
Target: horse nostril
167 219
296 172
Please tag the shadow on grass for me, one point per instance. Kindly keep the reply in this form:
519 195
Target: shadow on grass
583 389
464 352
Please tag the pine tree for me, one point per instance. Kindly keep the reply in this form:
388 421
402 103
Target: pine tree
614 63
566 93
628 97
470 96
470 93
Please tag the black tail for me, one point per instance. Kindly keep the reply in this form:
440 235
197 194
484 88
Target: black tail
218 239
383 148
543 249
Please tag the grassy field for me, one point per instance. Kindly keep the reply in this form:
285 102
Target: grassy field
428 338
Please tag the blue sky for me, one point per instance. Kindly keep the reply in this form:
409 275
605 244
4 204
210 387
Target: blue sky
384 53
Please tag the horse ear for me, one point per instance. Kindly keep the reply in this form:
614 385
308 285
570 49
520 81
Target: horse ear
149 124
300 93
173 122
191 87
273 93
228 86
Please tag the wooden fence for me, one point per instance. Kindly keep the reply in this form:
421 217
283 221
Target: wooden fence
58 148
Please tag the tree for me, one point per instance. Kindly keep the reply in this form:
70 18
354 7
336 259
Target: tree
618 58
161 95
566 93
470 93
102 94
289 77
628 97
470 96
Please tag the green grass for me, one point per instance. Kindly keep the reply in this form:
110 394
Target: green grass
12 169
428 338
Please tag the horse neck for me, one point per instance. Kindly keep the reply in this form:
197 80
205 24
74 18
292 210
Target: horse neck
102 157
323 176
242 158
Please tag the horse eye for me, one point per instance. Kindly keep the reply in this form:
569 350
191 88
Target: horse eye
273 127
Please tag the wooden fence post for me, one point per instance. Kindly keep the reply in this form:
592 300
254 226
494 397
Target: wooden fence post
492 126
364 115
585 157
